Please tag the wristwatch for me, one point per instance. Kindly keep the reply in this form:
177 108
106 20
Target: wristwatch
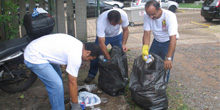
168 58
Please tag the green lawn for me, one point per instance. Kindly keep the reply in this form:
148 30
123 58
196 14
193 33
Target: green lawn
190 5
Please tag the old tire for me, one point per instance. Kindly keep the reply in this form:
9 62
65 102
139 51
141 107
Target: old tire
208 19
172 8
131 24
115 6
23 77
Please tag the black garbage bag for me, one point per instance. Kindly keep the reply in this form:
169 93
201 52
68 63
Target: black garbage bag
113 76
148 84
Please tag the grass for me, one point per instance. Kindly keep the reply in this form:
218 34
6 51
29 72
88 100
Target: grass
216 67
190 5
176 99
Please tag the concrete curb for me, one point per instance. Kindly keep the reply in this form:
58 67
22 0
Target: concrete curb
189 8
216 26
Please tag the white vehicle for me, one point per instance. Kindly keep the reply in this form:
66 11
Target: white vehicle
170 5
115 4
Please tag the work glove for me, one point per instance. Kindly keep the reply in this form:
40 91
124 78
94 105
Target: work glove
75 106
145 50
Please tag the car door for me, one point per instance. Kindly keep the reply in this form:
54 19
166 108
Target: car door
90 9
143 2
164 3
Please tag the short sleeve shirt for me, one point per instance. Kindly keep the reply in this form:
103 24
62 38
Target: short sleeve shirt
105 29
59 49
162 28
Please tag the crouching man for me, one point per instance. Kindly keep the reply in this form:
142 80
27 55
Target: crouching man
44 57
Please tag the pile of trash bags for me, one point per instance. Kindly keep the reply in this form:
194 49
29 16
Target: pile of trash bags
148 81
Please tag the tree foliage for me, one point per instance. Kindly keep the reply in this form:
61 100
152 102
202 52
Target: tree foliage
7 17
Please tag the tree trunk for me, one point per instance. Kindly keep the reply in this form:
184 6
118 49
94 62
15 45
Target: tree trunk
70 18
15 21
81 17
53 9
49 6
22 10
42 4
2 36
31 5
60 16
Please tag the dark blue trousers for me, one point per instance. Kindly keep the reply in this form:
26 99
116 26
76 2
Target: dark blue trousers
161 49
94 64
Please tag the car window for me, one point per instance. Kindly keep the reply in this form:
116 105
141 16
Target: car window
134 1
91 4
215 1
212 2
143 1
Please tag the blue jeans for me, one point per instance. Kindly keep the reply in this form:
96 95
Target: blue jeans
50 75
94 64
161 49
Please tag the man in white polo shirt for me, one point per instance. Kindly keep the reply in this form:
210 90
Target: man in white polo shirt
44 57
112 28
163 24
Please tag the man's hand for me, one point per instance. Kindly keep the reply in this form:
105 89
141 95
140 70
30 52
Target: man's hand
103 47
125 49
125 38
75 106
168 64
145 50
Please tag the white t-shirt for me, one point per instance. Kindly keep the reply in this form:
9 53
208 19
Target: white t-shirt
162 32
59 49
105 29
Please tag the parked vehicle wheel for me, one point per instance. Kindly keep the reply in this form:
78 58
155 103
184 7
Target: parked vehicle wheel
115 6
172 8
23 77
208 19
131 24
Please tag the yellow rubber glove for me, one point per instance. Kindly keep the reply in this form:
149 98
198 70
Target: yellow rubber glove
145 52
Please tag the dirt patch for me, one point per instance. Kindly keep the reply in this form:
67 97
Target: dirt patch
197 69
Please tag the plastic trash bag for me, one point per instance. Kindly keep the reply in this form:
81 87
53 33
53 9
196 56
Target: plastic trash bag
87 87
88 98
148 84
113 74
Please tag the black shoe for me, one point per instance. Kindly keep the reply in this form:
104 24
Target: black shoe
88 79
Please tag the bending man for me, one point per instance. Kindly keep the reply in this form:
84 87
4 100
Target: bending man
112 28
44 57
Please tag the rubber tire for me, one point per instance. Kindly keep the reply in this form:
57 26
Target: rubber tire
115 6
172 8
20 85
131 24
208 19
